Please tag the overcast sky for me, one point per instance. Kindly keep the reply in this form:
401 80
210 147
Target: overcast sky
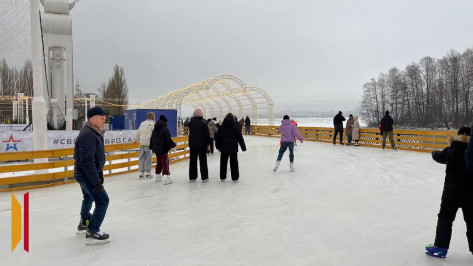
306 54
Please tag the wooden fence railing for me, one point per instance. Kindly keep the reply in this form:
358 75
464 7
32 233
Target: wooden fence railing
120 158
414 140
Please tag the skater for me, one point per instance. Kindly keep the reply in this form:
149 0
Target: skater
349 128
161 142
212 131
247 125
457 193
386 128
199 144
227 140
241 123
469 154
89 156
288 131
143 135
338 124
356 131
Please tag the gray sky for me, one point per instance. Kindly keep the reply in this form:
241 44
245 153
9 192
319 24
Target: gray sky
306 54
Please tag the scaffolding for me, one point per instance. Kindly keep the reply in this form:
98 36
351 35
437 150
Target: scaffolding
218 96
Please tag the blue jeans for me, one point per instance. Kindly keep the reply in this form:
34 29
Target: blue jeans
349 138
247 130
283 149
92 195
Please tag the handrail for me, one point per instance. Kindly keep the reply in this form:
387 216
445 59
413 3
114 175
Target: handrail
120 158
405 139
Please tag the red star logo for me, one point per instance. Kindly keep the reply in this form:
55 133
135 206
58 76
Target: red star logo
11 139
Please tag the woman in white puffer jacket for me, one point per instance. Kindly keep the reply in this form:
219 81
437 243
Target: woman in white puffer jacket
143 136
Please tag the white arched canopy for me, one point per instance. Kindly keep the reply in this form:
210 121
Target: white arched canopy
218 96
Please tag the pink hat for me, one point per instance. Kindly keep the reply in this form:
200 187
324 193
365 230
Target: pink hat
198 113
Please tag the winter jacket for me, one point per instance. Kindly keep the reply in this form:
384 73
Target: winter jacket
89 156
199 136
355 133
349 126
288 131
212 129
386 124
247 121
161 141
469 155
338 122
228 137
454 157
143 134
241 123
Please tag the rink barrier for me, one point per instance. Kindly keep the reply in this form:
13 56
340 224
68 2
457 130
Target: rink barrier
413 140
120 158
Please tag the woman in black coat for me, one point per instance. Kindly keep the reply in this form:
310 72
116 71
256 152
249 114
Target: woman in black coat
199 144
457 193
160 143
227 140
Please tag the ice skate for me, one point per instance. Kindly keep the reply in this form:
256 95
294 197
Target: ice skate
158 178
82 227
235 181
291 166
148 175
96 238
434 251
167 181
276 166
142 174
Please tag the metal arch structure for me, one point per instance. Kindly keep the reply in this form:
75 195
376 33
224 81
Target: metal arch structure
218 96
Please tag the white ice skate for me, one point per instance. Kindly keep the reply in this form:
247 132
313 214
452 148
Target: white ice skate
276 166
158 178
149 175
167 181
291 165
142 174
96 238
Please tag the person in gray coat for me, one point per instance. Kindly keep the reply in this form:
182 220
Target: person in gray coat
212 131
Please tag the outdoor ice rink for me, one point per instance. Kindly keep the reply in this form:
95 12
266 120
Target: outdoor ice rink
342 205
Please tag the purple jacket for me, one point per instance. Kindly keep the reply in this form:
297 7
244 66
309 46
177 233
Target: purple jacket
288 130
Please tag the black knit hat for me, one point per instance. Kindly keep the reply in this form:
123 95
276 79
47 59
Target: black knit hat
163 118
95 111
464 130
286 117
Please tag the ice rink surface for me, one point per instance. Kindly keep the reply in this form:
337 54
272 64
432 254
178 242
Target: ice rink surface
342 205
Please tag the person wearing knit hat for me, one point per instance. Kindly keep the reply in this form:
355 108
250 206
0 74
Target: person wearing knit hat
199 144
143 136
288 133
160 143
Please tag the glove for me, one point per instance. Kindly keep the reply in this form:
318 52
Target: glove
99 188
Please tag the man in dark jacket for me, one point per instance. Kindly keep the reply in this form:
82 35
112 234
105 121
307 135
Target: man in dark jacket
338 124
199 144
457 193
247 125
227 140
89 156
160 143
386 128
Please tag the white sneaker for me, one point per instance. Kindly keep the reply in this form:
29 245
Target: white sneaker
167 181
142 174
158 178
276 166
149 175
291 165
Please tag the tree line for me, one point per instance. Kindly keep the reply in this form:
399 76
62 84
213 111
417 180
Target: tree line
431 93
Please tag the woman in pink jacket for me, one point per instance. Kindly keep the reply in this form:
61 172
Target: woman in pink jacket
288 130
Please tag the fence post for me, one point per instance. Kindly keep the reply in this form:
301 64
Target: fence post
129 159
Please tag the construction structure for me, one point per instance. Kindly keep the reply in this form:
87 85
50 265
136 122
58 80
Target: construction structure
218 96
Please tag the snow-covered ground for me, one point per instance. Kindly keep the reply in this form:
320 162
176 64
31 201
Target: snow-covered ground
343 205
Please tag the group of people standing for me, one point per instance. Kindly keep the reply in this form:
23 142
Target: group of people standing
353 129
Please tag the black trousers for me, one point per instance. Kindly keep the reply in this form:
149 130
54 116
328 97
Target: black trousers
233 165
453 198
336 133
212 145
204 171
